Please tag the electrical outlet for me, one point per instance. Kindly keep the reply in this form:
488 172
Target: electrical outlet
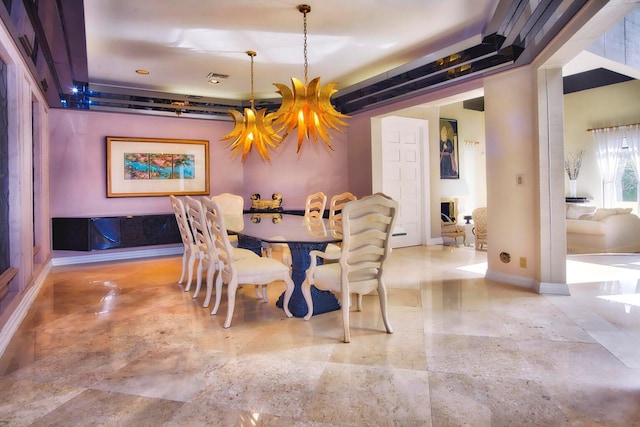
523 262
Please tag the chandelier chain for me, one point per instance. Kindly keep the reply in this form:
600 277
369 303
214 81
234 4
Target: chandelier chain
252 54
306 63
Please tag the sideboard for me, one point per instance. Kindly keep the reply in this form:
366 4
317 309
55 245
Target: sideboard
96 233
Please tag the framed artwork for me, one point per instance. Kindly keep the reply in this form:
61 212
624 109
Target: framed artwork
449 149
157 167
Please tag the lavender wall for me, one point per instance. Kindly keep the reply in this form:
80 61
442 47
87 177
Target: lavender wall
78 163
296 175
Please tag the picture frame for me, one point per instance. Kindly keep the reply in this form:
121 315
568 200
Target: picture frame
143 167
449 156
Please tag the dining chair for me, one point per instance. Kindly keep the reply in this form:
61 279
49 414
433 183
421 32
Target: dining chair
367 226
315 204
314 208
232 207
190 247
231 204
335 216
206 249
234 272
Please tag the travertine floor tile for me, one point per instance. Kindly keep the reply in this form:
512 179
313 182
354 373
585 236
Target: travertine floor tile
121 343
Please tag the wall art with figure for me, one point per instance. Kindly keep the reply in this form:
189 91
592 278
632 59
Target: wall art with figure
449 149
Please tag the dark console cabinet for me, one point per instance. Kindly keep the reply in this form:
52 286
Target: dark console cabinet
95 233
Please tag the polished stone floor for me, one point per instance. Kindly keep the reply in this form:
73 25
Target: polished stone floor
121 344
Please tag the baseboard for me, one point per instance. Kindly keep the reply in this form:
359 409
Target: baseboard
21 310
117 255
553 288
512 279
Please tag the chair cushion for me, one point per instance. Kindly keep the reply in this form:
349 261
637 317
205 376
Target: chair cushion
330 274
602 213
332 248
240 253
260 271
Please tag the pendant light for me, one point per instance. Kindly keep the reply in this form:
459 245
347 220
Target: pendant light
254 128
307 106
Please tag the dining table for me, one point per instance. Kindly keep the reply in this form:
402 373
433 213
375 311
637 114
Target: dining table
302 235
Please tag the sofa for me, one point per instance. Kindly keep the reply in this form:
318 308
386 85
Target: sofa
599 230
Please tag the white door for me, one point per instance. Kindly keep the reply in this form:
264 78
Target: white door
403 175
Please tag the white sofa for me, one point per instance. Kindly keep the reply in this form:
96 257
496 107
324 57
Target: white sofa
591 230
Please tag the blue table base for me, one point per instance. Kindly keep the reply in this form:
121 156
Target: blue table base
323 301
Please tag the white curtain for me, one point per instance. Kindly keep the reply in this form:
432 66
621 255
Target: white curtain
632 133
609 144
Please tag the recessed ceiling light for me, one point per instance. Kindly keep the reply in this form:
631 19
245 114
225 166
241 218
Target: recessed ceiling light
214 78
143 72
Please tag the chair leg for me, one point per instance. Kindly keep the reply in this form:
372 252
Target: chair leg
306 293
185 255
382 294
286 258
191 263
345 315
287 294
218 293
211 271
261 292
232 287
198 278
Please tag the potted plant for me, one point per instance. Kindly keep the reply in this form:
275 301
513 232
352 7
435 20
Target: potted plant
572 165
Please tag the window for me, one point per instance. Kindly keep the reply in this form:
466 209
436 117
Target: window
626 181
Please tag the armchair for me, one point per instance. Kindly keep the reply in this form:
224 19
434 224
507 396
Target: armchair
367 225
450 229
480 226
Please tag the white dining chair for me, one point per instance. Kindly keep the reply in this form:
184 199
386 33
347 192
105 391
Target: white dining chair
206 249
234 272
367 226
315 205
335 216
314 208
190 254
231 204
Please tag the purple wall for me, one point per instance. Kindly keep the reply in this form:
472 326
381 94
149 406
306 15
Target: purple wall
78 163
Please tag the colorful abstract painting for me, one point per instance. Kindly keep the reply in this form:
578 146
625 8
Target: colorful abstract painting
140 166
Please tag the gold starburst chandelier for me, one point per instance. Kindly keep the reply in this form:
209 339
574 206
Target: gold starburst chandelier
254 128
307 106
